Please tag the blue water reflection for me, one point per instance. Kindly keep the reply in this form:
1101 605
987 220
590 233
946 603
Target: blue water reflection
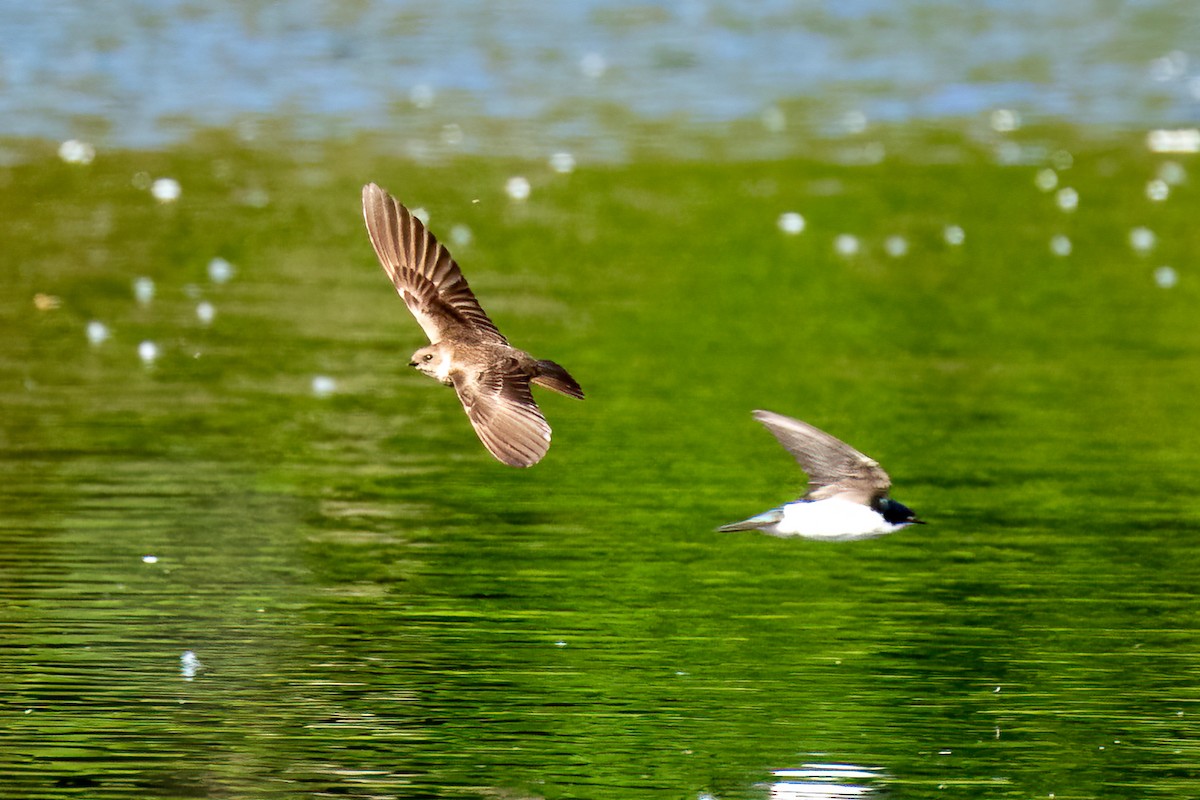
149 71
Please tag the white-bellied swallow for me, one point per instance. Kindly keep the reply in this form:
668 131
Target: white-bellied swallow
847 496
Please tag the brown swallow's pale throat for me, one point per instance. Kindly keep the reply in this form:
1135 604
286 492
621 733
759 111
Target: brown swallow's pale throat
466 350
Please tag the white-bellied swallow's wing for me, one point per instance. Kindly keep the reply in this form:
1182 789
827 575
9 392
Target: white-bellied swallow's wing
833 467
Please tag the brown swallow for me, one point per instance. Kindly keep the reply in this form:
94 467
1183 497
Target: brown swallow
466 349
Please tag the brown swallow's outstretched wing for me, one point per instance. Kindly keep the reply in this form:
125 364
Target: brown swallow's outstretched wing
432 285
833 467
502 410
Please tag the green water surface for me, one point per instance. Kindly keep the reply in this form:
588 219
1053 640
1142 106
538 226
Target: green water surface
382 610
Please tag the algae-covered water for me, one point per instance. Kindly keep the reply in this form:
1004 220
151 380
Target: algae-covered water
274 561
247 551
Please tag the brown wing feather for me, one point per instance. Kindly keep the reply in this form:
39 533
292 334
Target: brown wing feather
424 273
503 412
833 467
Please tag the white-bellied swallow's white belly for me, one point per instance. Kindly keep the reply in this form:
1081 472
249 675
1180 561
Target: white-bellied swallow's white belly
832 520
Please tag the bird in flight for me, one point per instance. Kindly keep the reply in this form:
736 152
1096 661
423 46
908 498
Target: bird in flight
847 496
466 350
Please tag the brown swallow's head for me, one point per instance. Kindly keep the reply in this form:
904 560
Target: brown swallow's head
433 361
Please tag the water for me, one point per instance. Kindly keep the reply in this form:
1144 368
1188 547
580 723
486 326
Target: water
274 561
532 77
245 551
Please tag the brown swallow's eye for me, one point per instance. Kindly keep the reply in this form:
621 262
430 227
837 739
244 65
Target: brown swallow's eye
427 357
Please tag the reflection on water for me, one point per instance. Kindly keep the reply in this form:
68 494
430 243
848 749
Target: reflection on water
531 77
819 781
189 664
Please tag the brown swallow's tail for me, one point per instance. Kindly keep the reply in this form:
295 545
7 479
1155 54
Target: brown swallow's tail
552 376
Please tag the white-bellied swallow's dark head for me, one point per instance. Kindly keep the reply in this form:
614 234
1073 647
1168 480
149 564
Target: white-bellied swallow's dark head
897 513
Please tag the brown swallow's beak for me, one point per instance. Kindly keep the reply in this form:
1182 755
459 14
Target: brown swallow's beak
412 363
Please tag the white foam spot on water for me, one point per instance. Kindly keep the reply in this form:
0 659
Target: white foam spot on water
872 153
562 163
323 385
460 235
255 197
517 188
205 312
593 65
74 151
1172 172
774 120
895 246
420 213
846 245
1067 199
219 270
1166 277
149 559
422 95
97 332
1169 67
1157 190
1046 179
189 665
1005 120
1184 140
791 223
148 352
143 290
452 134
166 190
1142 239
1060 245
854 122
1008 152
954 235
